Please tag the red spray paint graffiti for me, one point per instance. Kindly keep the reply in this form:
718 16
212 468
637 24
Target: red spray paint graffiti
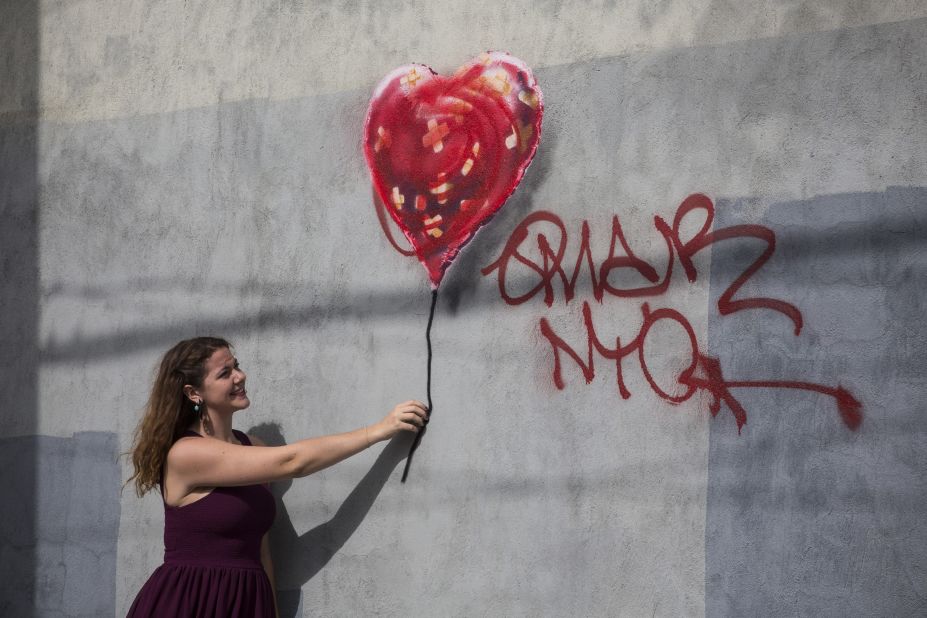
702 373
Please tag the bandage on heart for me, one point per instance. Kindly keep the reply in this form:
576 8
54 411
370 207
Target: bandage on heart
446 152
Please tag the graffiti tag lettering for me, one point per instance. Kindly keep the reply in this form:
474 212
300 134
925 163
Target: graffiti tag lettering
702 373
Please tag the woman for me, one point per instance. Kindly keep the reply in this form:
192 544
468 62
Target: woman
217 509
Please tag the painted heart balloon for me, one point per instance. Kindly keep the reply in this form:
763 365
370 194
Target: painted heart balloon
446 152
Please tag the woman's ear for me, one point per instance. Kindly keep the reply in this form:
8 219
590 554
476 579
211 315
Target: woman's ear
191 394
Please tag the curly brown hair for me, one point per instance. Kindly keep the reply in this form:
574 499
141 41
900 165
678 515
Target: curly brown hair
169 411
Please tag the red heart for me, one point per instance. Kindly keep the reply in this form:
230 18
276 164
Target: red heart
446 152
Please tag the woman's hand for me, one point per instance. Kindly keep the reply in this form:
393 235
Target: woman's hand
407 416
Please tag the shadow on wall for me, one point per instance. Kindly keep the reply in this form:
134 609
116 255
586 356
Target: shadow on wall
19 294
70 503
807 518
301 556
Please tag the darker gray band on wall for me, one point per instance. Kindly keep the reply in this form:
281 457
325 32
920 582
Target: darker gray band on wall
806 517
63 522
19 295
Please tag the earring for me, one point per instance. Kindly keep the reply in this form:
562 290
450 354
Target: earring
196 407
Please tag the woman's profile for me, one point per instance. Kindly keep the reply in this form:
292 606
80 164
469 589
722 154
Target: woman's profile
217 508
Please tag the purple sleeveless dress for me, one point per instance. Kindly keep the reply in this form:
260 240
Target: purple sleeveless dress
212 557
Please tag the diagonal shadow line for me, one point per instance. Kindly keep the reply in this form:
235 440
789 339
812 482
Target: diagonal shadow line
367 307
891 235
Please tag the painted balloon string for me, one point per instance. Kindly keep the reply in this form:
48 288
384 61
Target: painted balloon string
418 436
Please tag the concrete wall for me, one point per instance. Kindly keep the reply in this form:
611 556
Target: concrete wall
170 169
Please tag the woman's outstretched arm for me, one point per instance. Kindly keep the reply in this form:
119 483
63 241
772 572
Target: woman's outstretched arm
198 462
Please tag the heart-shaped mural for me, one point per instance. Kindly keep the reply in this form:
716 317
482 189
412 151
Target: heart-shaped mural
446 152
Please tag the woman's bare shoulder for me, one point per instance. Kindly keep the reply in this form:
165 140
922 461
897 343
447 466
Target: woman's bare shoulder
186 447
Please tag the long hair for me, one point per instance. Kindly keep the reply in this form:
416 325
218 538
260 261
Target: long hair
169 412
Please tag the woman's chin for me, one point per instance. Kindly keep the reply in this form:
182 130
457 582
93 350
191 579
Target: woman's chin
240 403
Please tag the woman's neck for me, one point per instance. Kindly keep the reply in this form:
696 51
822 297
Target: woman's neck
218 426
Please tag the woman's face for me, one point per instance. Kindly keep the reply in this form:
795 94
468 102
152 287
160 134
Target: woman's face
223 388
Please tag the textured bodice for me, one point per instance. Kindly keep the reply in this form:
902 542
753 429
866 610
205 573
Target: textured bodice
223 528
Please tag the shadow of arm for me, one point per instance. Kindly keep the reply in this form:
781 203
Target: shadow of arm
299 557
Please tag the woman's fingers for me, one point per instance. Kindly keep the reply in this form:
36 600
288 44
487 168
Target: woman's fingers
416 408
412 415
413 419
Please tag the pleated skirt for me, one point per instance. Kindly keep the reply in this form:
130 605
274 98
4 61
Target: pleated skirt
205 591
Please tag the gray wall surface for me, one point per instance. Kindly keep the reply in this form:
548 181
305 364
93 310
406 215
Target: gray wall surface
170 170
803 516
